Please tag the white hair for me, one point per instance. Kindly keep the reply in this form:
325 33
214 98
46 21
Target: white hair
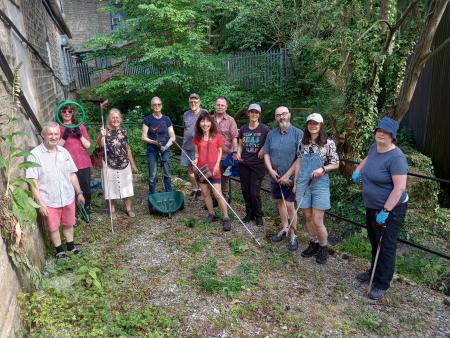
48 125
155 98
113 111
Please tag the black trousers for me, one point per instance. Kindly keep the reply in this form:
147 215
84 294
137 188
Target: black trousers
84 178
386 259
251 179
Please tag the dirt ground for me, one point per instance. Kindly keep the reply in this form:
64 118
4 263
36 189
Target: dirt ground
290 296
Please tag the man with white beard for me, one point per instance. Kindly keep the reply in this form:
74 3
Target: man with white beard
280 154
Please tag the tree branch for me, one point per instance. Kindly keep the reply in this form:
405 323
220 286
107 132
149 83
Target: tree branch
435 51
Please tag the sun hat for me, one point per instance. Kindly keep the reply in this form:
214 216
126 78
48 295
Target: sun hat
389 125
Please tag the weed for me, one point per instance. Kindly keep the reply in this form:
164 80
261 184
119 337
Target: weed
196 223
244 277
357 245
197 246
238 247
277 259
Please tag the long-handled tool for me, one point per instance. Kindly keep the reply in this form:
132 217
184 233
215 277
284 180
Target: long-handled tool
286 208
223 199
106 179
308 185
374 267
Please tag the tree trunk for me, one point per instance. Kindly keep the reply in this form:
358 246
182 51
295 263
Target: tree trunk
421 54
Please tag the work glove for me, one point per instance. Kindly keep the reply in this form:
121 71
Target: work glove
382 217
66 134
77 132
356 177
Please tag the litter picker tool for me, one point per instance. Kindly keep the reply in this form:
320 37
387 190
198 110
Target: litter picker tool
106 179
308 185
381 228
223 199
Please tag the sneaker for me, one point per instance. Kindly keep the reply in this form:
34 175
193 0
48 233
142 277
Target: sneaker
198 193
226 224
211 218
247 218
293 243
363 277
75 251
322 255
279 236
60 255
311 250
259 221
376 293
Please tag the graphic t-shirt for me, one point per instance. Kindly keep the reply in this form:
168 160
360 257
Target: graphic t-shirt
252 142
157 130
208 152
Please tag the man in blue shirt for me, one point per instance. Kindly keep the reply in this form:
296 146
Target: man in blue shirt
158 133
280 153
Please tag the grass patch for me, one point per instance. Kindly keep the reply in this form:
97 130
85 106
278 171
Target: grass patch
197 246
238 247
245 276
357 245
278 259
196 223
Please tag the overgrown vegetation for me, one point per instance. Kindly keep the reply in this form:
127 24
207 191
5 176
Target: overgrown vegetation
17 206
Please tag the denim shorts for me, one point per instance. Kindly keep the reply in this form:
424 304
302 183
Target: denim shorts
317 196
184 161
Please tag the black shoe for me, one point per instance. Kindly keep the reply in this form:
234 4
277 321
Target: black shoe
311 250
211 218
293 243
363 277
322 255
193 193
226 224
376 293
279 236
259 221
247 218
198 193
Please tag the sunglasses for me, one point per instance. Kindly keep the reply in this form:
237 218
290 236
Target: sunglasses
156 104
67 111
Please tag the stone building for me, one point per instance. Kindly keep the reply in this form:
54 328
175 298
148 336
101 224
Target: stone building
34 34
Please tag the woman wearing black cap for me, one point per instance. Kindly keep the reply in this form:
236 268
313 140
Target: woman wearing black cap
383 174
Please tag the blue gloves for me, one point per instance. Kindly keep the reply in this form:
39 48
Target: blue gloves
356 177
382 217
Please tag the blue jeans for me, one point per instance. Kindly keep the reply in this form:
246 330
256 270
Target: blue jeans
153 158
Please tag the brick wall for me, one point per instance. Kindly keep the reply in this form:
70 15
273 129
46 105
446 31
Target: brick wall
42 92
86 19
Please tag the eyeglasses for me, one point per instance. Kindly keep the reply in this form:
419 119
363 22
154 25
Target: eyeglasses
283 114
156 104
67 111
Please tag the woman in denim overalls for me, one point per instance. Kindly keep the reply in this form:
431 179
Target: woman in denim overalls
317 156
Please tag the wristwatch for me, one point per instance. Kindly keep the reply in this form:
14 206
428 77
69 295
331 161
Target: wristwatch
79 193
386 210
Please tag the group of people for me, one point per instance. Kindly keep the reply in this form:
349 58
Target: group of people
297 162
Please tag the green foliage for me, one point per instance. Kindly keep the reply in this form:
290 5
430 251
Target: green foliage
357 245
238 246
245 276
16 198
197 246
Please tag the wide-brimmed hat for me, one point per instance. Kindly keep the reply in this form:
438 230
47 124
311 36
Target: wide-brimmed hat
389 125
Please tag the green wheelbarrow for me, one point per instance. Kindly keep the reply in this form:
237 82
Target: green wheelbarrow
165 202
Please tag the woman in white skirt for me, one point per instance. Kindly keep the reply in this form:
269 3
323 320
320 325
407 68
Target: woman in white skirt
117 175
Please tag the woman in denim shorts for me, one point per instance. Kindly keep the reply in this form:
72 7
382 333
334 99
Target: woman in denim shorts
317 156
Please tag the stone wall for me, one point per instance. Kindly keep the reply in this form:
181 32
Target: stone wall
86 19
42 92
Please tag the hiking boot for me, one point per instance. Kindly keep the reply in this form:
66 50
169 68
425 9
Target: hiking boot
279 236
60 256
211 218
259 221
311 250
376 293
293 243
363 277
226 224
322 254
247 218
